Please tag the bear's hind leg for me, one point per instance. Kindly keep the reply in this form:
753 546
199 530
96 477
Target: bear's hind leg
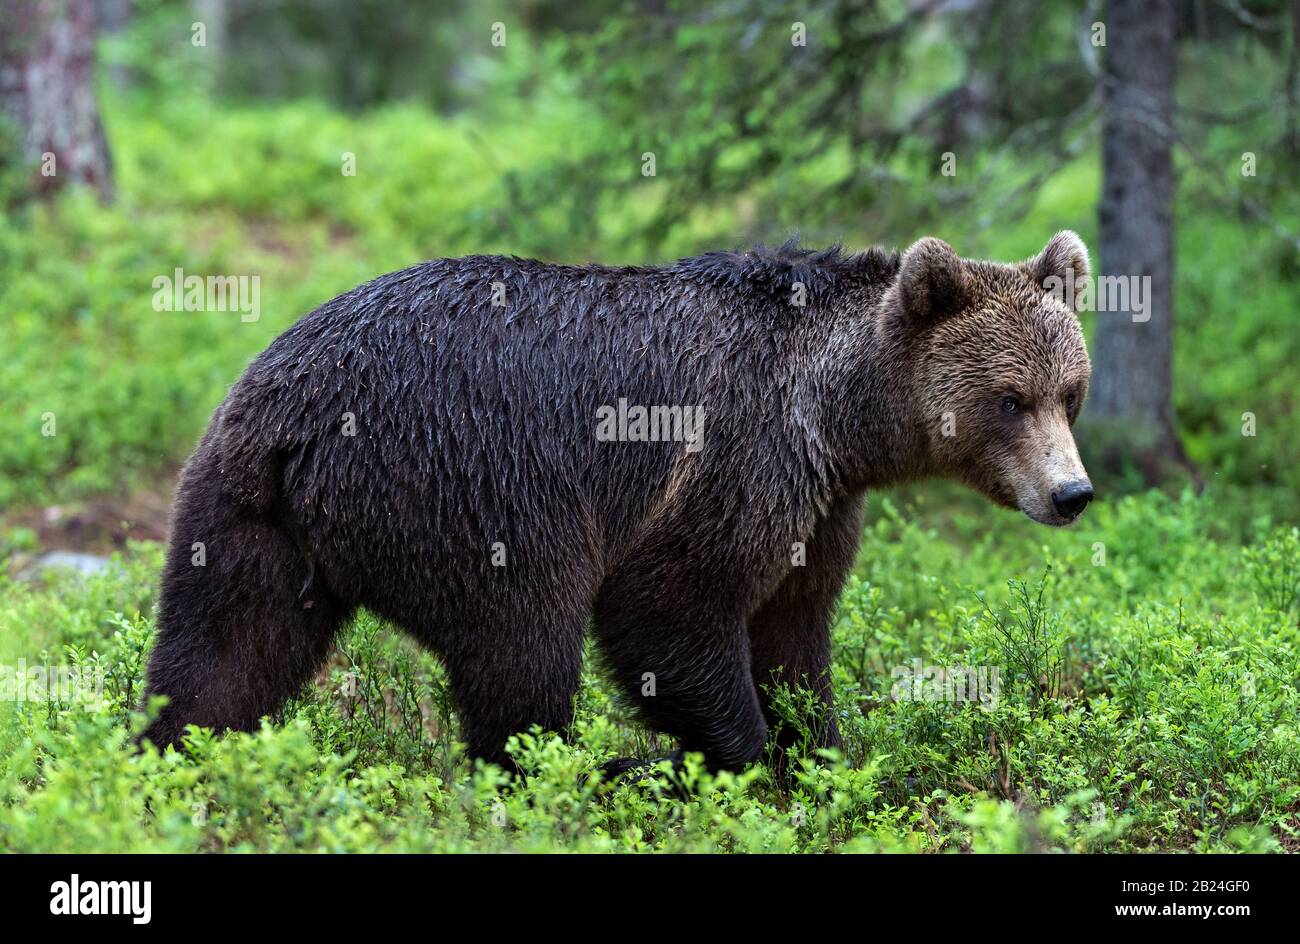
242 623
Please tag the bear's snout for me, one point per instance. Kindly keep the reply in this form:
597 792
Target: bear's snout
1070 500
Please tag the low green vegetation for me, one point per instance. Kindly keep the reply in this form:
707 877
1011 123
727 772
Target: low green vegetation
1145 698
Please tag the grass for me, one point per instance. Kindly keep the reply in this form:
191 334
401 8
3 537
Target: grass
1146 700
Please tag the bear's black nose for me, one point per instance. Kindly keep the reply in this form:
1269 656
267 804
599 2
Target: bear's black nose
1072 498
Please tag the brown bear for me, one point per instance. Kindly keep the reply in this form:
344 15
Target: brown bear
495 453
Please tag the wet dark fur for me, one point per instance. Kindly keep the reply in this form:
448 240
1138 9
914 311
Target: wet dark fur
476 425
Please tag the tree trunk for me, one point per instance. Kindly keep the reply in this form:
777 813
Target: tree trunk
47 71
1131 413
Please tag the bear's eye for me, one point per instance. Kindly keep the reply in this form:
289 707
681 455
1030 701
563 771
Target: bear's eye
1070 400
1011 405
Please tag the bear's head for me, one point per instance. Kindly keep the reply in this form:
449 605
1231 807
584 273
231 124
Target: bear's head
999 371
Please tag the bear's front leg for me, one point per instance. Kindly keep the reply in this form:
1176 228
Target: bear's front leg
789 636
677 647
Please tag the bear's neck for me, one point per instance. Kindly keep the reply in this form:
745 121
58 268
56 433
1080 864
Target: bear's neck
872 421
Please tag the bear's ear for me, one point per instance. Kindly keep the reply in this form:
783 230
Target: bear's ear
1064 260
931 283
